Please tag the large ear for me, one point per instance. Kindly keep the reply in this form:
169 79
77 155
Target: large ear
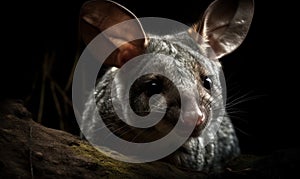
225 25
97 15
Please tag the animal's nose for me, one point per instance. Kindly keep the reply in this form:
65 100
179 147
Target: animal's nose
192 113
200 119
193 116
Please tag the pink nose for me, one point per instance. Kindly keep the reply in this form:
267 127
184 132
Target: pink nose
200 119
192 117
192 114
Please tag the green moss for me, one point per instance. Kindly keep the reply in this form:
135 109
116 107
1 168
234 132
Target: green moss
113 167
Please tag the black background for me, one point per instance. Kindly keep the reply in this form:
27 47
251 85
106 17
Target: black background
264 67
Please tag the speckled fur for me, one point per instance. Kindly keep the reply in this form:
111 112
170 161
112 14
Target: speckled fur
193 154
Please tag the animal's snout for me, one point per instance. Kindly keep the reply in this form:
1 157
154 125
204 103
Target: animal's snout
192 112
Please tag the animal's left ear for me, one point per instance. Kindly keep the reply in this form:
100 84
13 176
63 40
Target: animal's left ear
98 15
225 25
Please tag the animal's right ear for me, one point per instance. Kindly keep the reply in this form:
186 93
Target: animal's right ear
224 25
97 16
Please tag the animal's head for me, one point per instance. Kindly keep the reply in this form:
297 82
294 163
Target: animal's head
195 90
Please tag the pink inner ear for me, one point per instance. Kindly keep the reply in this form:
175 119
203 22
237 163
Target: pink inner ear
127 52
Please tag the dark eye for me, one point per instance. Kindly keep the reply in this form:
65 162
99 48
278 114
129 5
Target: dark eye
206 82
153 87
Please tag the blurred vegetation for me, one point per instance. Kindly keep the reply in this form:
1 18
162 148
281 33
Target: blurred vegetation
50 99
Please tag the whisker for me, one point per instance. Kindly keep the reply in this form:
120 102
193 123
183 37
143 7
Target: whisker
142 131
241 131
125 132
119 134
239 101
106 125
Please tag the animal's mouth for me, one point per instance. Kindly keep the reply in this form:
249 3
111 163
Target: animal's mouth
197 123
197 131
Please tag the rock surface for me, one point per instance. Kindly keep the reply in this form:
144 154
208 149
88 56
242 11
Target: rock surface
30 150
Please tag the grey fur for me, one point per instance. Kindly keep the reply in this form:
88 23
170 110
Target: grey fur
193 154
